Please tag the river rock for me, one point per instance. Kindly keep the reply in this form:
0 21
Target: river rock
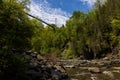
118 68
39 57
109 73
28 52
33 55
105 58
94 70
41 69
60 68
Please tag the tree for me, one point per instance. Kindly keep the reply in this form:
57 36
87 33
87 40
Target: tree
15 33
37 35
75 31
14 24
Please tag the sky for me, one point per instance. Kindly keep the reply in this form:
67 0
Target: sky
58 11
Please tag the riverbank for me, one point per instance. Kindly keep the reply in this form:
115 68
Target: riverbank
107 68
52 68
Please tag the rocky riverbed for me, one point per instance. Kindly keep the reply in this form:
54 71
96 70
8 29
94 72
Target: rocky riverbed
94 73
99 69
41 68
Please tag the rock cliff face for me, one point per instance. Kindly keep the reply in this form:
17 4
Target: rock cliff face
43 69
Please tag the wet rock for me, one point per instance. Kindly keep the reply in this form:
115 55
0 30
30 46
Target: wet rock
60 68
118 68
28 52
94 70
105 58
108 73
49 66
100 63
33 55
83 62
94 77
35 52
69 66
55 77
39 57
81 57
116 71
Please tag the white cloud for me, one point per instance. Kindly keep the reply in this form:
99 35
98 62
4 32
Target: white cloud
43 10
91 2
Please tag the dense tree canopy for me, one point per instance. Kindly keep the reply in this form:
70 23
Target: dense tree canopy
93 34
15 29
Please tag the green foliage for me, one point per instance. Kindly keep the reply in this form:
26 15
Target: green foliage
96 32
15 26
93 34
15 33
46 40
115 36
75 30
69 52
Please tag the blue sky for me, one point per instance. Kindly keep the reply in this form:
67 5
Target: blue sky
69 5
58 11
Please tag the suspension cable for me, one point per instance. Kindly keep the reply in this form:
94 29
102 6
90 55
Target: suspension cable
40 20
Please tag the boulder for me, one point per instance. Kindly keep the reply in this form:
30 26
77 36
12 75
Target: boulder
60 68
39 57
41 69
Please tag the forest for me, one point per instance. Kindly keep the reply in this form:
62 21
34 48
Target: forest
93 34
